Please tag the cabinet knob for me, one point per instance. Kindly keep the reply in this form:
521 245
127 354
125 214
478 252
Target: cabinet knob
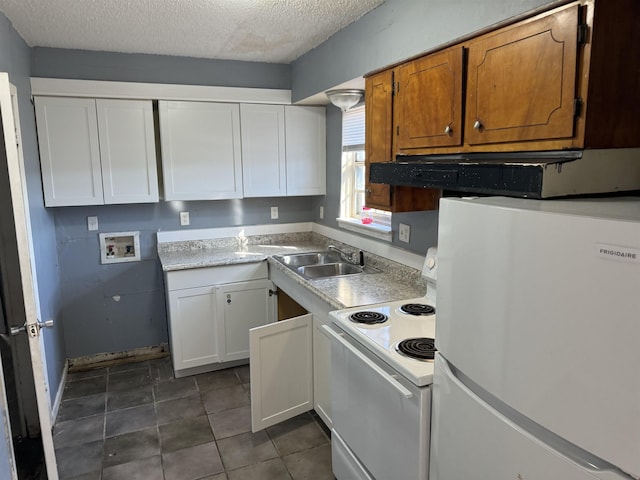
477 125
448 130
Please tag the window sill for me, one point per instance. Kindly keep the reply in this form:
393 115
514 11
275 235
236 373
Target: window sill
380 232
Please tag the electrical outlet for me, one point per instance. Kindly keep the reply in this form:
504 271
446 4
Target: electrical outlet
404 233
184 218
321 212
274 213
92 223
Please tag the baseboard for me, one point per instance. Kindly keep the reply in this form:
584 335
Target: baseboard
100 360
58 398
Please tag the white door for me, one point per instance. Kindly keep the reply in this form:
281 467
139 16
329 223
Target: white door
281 364
263 150
127 151
201 153
194 327
470 439
241 307
69 151
27 266
305 131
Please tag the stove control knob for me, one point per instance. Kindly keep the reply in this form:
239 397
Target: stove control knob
431 262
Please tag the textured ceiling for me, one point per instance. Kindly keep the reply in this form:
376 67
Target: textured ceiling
277 31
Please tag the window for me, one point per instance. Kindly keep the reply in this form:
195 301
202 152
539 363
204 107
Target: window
353 180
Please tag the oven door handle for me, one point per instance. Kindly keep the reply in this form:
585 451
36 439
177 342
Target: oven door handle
389 378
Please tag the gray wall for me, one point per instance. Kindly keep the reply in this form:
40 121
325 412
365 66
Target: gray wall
112 308
396 30
15 59
85 65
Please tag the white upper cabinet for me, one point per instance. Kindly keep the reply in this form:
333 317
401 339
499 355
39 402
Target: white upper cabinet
69 151
306 150
127 151
201 153
263 150
96 152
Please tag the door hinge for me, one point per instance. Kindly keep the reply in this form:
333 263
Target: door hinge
397 130
583 33
577 107
273 292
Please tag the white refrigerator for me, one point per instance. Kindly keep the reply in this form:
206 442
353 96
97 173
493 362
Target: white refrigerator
538 330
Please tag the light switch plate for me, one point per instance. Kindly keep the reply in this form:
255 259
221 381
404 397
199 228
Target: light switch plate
404 233
92 223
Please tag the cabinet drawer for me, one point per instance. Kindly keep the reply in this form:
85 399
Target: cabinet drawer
200 277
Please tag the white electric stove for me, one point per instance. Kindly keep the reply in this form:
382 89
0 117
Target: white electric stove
382 369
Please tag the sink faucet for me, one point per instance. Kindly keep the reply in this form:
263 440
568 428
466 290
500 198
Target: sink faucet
355 258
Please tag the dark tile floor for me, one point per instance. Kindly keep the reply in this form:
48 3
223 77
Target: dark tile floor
136 421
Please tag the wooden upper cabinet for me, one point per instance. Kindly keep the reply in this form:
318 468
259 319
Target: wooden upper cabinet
521 82
429 101
378 140
379 106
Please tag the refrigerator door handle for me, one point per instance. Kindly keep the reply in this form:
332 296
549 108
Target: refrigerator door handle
389 378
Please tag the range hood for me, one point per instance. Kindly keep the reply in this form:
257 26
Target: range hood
520 174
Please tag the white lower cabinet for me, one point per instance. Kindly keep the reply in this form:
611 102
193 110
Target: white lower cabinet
291 362
211 311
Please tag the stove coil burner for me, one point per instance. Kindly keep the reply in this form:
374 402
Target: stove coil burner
418 348
369 318
417 309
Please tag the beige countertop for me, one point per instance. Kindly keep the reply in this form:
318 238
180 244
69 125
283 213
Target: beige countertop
393 282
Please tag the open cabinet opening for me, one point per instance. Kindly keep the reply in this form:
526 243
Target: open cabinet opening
288 307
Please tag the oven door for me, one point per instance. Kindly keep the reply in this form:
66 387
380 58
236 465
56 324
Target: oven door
381 419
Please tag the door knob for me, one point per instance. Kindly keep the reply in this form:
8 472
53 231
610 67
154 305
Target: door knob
32 328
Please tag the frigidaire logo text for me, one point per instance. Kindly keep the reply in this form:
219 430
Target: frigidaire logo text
619 253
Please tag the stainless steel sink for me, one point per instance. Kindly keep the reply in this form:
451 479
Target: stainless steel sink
330 270
321 264
309 258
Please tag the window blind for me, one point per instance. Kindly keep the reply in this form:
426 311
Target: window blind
353 129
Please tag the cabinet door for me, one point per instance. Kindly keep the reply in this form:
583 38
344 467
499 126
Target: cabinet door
378 134
69 151
379 105
521 81
322 371
201 154
193 329
281 364
428 103
243 306
127 151
263 150
305 139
